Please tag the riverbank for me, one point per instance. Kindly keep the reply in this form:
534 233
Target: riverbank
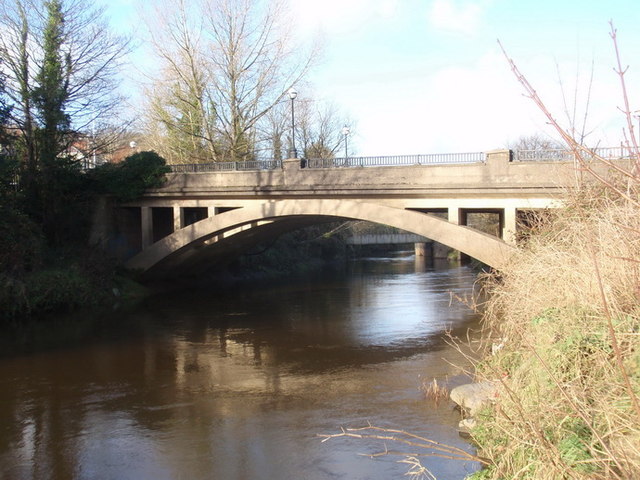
563 319
77 277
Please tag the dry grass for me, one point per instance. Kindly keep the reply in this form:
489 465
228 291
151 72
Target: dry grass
435 391
568 305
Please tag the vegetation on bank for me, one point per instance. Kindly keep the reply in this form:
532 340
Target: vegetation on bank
566 314
563 319
49 266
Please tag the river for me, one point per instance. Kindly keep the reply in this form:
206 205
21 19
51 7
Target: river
238 384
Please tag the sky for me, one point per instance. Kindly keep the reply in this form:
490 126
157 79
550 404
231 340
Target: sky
428 76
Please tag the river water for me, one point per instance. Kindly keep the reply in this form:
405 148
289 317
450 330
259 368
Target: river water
238 384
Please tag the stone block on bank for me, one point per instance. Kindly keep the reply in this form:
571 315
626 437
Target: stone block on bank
473 396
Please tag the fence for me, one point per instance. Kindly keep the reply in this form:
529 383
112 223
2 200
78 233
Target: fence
557 155
226 166
397 160
548 155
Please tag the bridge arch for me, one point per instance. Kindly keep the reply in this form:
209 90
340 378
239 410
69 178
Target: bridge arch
276 216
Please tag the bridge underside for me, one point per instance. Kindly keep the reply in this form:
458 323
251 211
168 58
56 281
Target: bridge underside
201 245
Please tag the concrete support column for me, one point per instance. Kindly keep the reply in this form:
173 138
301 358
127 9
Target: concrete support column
178 218
509 225
440 251
212 211
420 249
146 224
454 215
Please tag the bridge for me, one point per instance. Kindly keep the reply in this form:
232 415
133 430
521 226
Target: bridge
385 239
205 214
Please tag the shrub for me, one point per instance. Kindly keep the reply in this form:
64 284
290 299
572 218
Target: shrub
567 305
21 242
128 180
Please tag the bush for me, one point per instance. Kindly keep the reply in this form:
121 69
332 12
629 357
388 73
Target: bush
567 309
21 242
128 180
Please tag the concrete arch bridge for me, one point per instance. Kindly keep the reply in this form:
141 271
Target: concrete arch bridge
204 215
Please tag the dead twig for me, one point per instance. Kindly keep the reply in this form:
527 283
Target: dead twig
431 447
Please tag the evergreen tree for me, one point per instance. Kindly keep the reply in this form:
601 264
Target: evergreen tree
51 95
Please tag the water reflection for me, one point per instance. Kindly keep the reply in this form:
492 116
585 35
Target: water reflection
237 384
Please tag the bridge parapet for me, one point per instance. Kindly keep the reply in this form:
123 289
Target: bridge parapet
497 175
397 160
544 155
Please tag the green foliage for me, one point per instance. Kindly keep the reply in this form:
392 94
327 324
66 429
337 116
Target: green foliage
21 242
484 474
57 289
8 179
573 446
128 180
51 95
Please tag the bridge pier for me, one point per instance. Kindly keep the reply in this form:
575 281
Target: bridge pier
178 218
509 225
455 216
146 226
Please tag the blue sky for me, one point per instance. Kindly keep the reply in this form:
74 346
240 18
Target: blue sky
427 76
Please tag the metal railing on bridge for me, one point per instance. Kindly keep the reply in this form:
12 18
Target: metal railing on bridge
561 155
397 160
227 166
547 155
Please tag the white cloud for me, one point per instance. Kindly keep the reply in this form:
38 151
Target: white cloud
476 107
339 16
460 17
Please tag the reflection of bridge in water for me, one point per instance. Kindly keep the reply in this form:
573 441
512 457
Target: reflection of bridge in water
207 214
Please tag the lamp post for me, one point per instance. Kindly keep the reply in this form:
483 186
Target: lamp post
346 131
293 93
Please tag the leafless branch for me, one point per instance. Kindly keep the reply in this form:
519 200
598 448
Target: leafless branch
430 448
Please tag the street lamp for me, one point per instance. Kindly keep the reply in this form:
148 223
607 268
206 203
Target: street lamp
293 93
346 131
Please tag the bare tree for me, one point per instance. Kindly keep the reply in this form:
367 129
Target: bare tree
226 65
180 111
320 130
535 142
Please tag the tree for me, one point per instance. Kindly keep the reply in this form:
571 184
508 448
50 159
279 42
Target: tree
535 142
180 111
5 110
61 65
8 170
225 65
320 130
52 92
